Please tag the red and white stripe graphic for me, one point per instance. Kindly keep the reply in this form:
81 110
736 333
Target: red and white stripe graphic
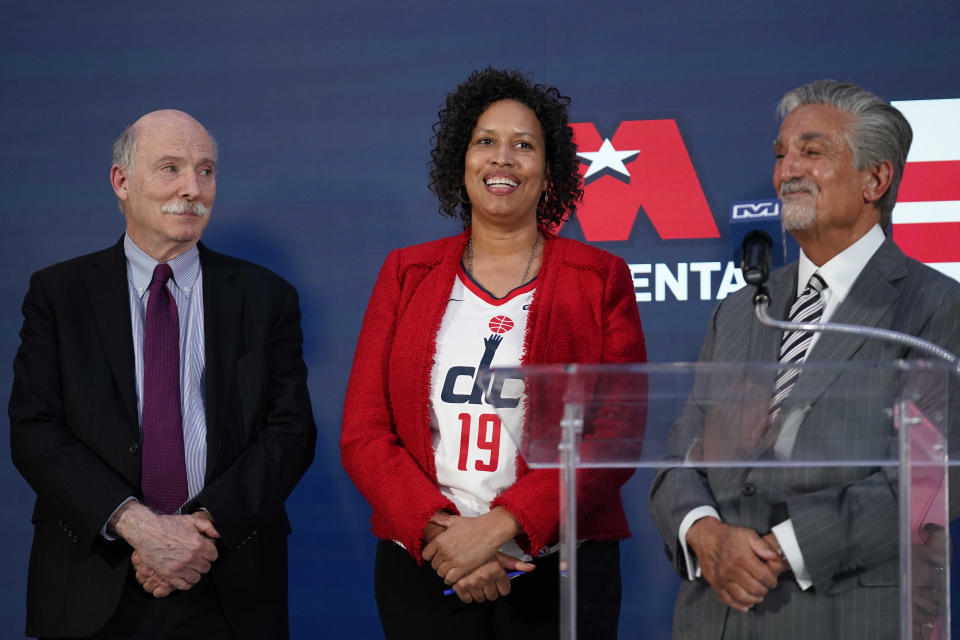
926 219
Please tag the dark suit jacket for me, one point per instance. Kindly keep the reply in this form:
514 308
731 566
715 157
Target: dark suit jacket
845 518
75 437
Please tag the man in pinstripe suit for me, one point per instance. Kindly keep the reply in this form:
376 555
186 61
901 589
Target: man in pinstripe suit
161 414
774 553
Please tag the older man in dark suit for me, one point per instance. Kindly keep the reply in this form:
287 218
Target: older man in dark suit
810 553
160 412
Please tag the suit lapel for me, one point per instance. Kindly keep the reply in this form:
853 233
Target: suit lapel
222 331
872 297
765 345
105 279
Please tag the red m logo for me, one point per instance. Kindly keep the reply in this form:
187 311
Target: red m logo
644 164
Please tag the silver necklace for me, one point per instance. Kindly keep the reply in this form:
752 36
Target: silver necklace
523 280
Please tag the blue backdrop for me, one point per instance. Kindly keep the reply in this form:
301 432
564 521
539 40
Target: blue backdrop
323 113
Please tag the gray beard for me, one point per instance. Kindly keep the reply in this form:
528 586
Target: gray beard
796 216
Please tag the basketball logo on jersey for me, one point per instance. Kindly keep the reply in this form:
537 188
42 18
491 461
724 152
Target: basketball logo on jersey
500 324
493 396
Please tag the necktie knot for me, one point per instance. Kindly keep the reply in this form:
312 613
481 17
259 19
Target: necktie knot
161 273
816 283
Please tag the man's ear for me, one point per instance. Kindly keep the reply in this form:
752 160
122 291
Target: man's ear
118 180
877 181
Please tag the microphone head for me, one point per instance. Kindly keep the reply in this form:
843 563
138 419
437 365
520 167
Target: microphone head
755 257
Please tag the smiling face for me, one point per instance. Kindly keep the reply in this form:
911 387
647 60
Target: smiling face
505 165
168 192
823 194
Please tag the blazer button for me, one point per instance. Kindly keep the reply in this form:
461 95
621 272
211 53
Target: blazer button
134 448
748 489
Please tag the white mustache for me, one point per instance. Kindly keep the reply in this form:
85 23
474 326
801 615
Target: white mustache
793 186
180 206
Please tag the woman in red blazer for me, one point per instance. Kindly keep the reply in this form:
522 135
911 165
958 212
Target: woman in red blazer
421 434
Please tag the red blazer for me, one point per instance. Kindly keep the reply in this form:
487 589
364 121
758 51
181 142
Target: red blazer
584 311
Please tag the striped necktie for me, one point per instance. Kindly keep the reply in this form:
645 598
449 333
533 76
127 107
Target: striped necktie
807 308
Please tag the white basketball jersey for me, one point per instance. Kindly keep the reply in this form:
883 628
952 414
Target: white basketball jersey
475 457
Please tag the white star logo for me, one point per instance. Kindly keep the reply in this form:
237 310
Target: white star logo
607 158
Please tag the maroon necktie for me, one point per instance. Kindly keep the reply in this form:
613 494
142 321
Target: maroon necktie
164 471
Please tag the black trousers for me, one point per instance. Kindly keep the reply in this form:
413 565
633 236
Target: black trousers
412 606
195 614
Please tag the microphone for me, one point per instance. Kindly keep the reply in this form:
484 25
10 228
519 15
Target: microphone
757 238
755 258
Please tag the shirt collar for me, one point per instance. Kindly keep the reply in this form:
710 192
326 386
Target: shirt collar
186 267
841 270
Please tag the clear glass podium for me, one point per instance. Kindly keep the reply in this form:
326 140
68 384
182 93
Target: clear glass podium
855 458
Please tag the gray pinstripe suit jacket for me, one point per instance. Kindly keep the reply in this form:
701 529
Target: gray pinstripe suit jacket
845 518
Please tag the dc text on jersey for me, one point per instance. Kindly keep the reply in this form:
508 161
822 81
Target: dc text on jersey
493 393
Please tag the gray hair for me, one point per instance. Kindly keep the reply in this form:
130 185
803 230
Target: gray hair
125 148
878 132
125 153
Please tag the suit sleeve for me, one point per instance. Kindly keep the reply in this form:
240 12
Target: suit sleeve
251 491
534 498
391 480
61 467
679 490
853 527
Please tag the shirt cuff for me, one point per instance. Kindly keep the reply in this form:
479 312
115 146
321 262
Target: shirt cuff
693 567
787 538
103 530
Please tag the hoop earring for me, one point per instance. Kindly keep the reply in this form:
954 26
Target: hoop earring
544 199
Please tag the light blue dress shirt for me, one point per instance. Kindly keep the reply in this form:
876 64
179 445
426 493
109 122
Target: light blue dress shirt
186 286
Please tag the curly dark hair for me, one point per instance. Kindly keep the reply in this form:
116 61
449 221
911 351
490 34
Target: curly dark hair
455 124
